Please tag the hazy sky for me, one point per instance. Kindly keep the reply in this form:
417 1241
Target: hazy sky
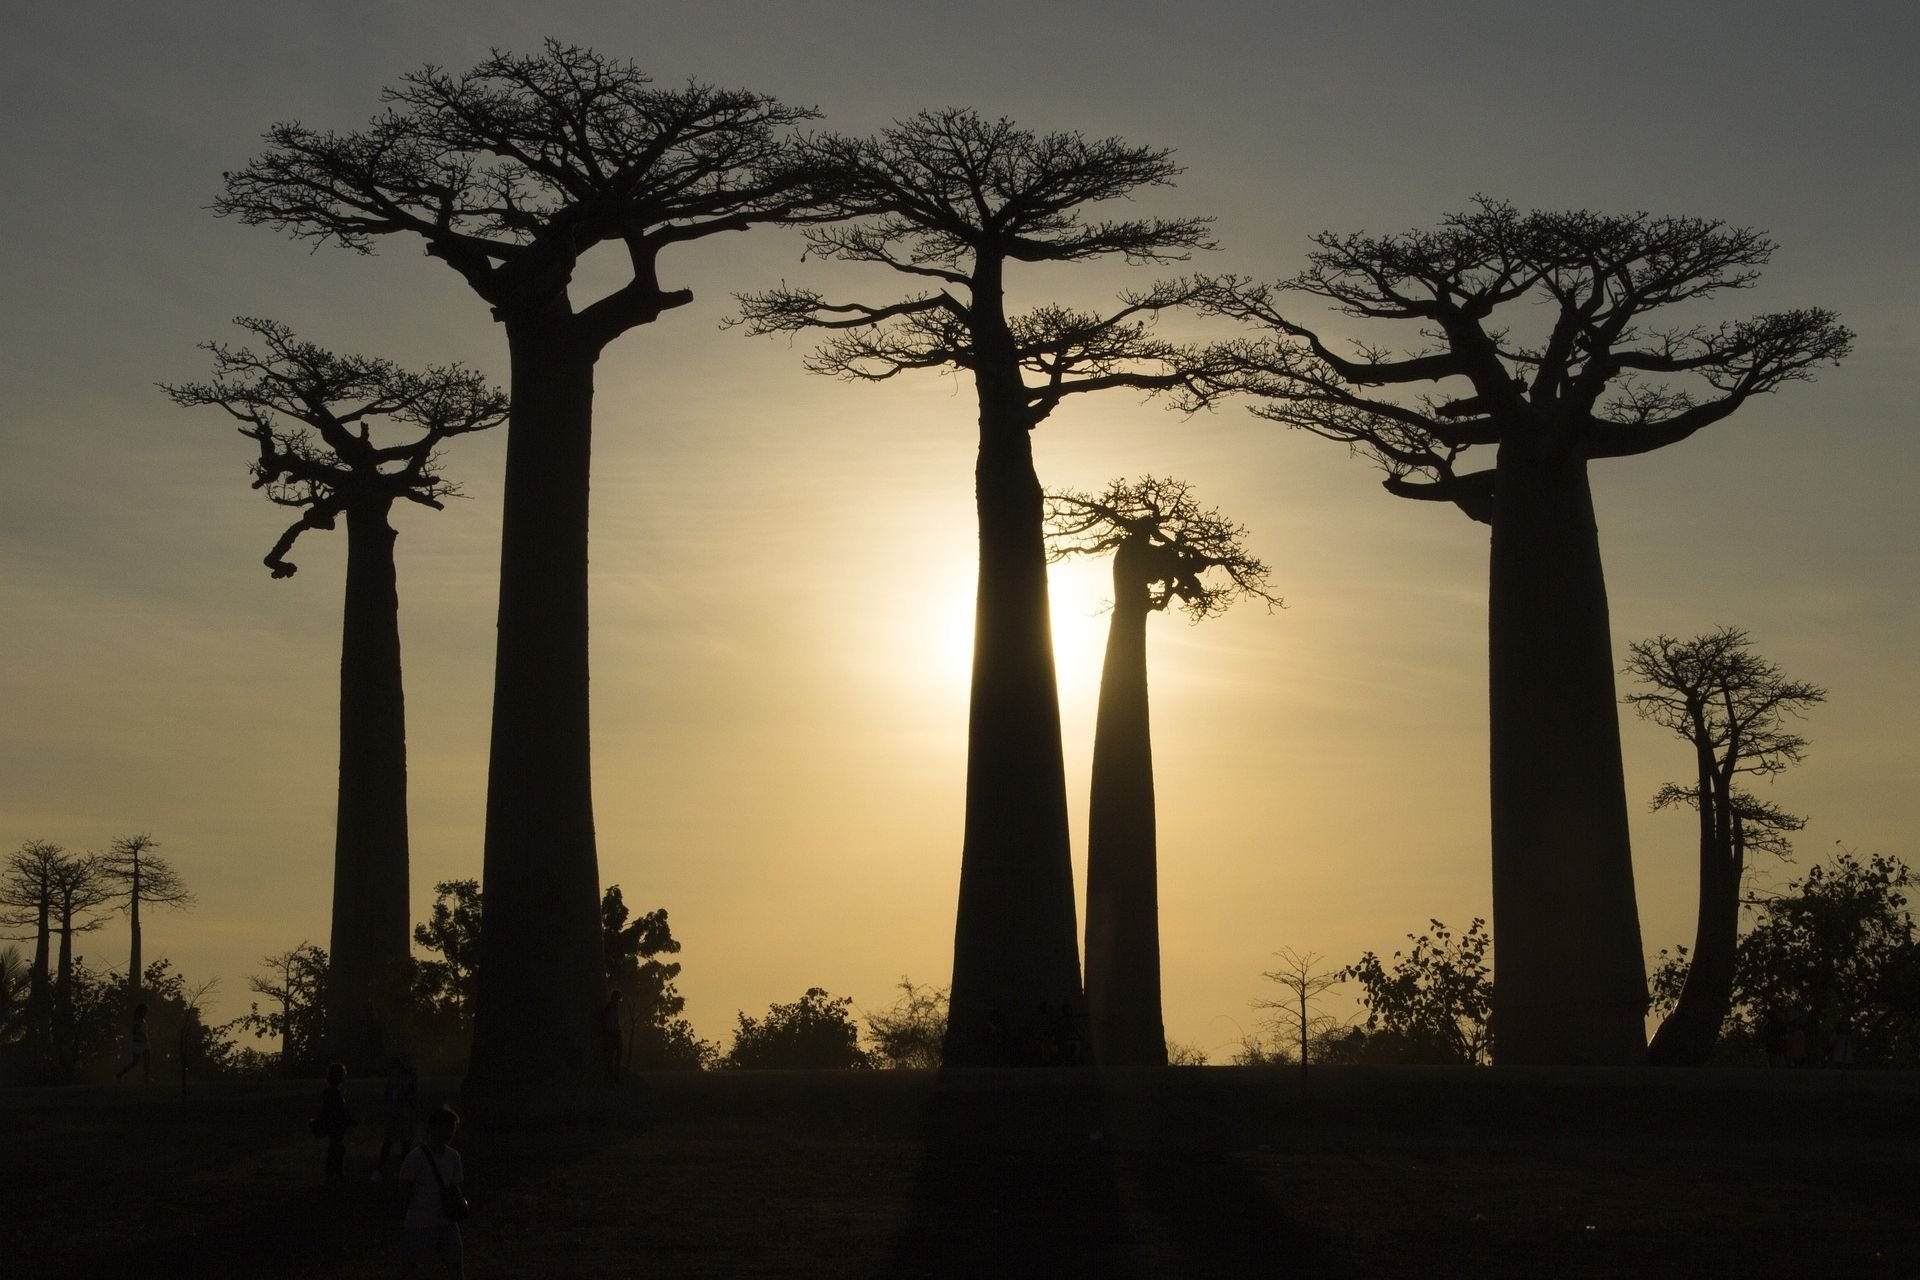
782 564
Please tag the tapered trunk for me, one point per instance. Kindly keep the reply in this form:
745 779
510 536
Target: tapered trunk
1569 985
1689 1034
369 946
1123 903
1016 998
40 979
63 998
133 921
539 979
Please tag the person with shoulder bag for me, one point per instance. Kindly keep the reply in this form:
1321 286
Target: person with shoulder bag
438 1204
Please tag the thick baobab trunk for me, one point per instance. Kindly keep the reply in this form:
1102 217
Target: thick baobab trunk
1016 997
1691 1032
133 922
539 978
1569 984
369 945
1123 903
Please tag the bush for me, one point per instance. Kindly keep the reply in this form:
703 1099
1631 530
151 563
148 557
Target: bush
814 1032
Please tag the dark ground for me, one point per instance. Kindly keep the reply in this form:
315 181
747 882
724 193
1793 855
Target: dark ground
1194 1172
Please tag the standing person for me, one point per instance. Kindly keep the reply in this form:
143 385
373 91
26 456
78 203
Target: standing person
334 1121
610 1035
137 1047
432 1226
403 1089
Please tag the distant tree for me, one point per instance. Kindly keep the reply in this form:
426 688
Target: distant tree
512 173
1300 975
142 877
1542 336
815 1032
1185 1055
313 415
909 1034
296 983
452 930
1733 708
950 200
79 889
27 897
15 988
1257 1052
658 1038
1166 548
1435 1003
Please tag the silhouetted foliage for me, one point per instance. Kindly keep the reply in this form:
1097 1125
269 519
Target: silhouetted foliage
27 896
1185 1055
657 1037
15 986
909 1034
512 173
1829 974
1732 707
1434 1004
950 200
1541 336
1165 547
144 878
296 984
451 931
815 1032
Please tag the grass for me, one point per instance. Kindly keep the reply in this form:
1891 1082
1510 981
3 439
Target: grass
1191 1172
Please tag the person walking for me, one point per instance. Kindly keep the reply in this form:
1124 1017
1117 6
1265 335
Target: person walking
138 1048
402 1093
333 1121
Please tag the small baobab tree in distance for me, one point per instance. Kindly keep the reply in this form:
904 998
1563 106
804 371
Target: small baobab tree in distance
144 878
1544 339
1166 549
311 415
511 173
1733 707
951 200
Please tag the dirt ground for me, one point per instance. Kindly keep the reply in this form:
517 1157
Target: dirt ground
1192 1172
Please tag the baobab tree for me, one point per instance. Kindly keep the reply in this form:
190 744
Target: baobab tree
1542 336
144 878
1166 549
27 896
510 173
1733 707
950 200
312 416
77 890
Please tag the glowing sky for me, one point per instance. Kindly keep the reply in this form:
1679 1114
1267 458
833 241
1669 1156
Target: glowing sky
782 565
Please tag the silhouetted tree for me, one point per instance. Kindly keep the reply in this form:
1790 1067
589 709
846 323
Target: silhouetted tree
815 1032
453 930
1166 548
909 1034
510 173
1538 332
1732 708
142 877
15 988
312 414
27 899
1299 973
950 200
78 890
1434 1005
296 981
657 1037
1830 972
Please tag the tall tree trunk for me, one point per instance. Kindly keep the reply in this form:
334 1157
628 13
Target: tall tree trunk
540 980
63 998
133 920
369 942
40 981
1015 999
1123 903
1689 1033
1570 988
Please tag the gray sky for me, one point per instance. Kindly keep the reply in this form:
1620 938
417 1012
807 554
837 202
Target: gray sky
782 564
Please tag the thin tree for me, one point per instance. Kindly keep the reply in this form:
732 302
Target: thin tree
1304 980
77 889
1543 337
27 897
951 200
1734 709
510 173
312 416
144 878
1166 548
296 981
